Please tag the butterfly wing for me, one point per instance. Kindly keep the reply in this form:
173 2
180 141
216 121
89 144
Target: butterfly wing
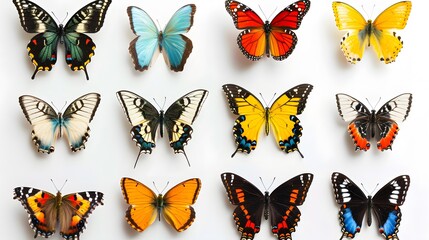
41 209
75 208
175 46
251 117
249 201
386 204
142 200
80 47
282 40
284 213
287 129
76 119
177 210
44 120
395 110
42 48
252 41
356 39
386 43
353 203
359 116
145 48
144 118
180 116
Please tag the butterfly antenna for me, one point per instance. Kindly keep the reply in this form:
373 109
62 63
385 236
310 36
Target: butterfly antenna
55 186
162 189
369 103
272 13
159 25
378 102
262 12
163 105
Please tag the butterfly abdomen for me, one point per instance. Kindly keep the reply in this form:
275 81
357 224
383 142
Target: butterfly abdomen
267 30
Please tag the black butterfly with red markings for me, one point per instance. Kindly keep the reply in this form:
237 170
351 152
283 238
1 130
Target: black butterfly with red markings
280 206
384 204
46 210
381 125
79 48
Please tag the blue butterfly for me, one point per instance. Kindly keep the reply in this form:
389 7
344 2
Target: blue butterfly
48 125
144 49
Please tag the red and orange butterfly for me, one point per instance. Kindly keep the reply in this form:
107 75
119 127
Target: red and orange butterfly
274 38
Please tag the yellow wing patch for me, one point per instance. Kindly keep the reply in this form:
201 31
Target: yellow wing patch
380 33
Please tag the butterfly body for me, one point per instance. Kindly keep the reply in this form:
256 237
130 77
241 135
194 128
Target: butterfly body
149 42
366 124
177 119
175 205
281 117
380 33
49 125
384 205
79 47
274 38
46 210
280 206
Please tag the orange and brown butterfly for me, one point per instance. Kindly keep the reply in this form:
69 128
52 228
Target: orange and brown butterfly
379 33
175 205
46 211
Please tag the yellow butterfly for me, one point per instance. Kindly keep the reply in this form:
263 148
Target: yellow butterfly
379 33
175 205
281 116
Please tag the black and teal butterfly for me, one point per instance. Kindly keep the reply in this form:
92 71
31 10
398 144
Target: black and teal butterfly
281 206
176 47
48 125
79 48
384 204
145 119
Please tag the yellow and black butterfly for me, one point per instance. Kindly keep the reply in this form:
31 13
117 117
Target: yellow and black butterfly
281 116
379 33
175 205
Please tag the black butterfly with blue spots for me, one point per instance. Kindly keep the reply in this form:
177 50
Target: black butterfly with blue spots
384 204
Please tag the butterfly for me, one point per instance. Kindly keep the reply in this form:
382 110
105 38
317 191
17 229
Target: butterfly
176 47
379 33
274 38
280 206
365 124
46 211
384 204
48 125
175 205
281 116
177 120
79 48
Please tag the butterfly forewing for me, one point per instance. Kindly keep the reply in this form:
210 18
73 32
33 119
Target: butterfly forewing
89 19
34 19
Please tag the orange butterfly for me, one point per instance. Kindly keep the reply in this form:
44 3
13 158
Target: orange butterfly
274 38
175 205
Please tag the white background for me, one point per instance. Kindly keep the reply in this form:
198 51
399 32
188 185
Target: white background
215 60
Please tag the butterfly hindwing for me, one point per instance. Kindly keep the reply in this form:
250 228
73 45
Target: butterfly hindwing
175 205
280 206
46 209
48 125
385 205
281 116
